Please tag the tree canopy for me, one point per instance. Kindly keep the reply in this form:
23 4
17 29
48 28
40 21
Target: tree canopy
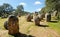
5 9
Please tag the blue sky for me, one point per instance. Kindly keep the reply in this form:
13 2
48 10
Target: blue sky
29 5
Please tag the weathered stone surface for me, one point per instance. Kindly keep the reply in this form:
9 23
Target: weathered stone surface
41 17
19 14
6 25
29 17
13 25
36 13
48 17
37 20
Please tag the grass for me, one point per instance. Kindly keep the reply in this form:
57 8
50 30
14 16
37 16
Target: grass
23 22
55 26
2 23
29 27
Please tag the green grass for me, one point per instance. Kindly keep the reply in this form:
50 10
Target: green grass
55 26
2 23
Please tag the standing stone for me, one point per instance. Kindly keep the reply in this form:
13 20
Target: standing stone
48 17
36 13
41 17
29 17
54 13
6 25
37 20
19 14
13 25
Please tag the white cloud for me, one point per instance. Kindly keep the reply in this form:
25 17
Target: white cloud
38 9
22 3
37 2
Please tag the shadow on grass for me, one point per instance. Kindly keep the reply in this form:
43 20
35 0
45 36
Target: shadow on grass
22 35
54 21
29 21
43 25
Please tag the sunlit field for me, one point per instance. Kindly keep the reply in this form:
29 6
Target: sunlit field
36 18
30 28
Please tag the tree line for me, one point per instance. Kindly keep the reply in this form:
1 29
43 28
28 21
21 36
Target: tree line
51 6
6 10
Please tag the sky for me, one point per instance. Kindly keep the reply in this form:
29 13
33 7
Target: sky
29 5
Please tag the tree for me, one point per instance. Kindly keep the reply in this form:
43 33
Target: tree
20 10
53 5
1 10
5 9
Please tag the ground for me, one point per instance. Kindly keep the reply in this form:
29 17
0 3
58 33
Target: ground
47 29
